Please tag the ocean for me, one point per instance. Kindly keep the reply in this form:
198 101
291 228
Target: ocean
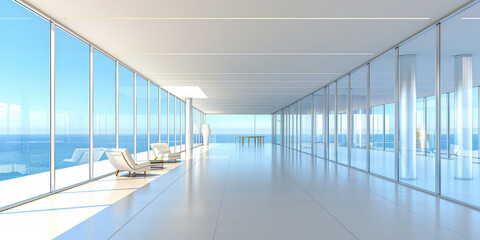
26 154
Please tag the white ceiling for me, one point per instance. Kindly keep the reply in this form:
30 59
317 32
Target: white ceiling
244 66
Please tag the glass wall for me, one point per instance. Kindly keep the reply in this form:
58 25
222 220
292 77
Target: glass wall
416 87
201 121
72 110
263 127
182 121
89 88
382 115
195 127
103 112
278 127
171 120
154 117
177 125
306 124
224 128
164 116
332 137
358 101
125 109
409 75
342 120
319 112
142 118
293 125
24 104
460 81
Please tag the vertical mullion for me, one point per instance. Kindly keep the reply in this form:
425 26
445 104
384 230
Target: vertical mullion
313 127
326 130
90 119
148 120
117 84
175 123
168 119
425 115
438 96
52 106
135 115
397 126
349 121
299 125
374 127
336 123
367 136
180 115
447 104
384 130
159 115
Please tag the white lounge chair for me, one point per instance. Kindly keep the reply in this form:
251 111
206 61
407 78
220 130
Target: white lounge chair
162 153
122 160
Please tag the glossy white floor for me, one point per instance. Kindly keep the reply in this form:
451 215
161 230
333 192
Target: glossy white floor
269 192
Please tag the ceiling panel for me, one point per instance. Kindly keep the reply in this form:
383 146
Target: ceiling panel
245 61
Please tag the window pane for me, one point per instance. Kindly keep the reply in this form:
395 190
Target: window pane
164 116
382 90
416 85
220 128
24 104
183 124
171 120
306 129
319 101
224 128
142 120
195 127
342 121
72 142
460 78
263 127
125 105
153 113
177 125
332 155
358 102
103 112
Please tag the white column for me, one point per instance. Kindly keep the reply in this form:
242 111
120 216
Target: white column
188 125
408 126
463 113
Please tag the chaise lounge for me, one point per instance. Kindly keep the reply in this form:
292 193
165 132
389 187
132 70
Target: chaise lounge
163 154
122 160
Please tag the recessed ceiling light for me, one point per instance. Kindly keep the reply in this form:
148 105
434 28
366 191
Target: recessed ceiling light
186 91
255 54
247 18
471 18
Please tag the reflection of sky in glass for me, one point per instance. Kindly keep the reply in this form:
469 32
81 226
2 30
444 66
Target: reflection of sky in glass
125 105
153 113
163 116
24 71
171 119
142 111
